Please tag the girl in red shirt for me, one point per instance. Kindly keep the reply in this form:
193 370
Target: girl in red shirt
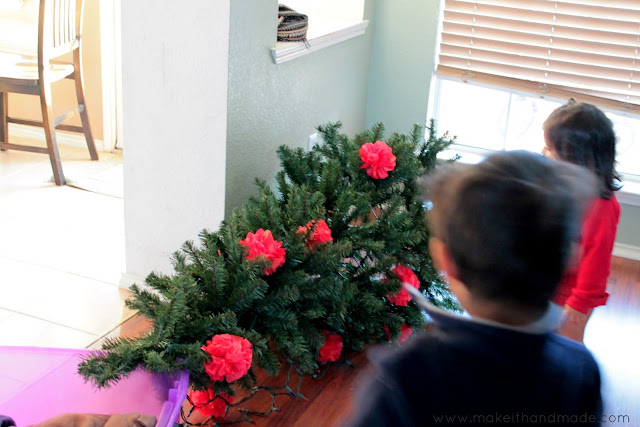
582 134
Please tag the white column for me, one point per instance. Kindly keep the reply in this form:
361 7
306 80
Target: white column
174 96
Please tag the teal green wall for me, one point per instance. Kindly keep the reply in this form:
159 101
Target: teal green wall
272 104
402 62
629 228
384 76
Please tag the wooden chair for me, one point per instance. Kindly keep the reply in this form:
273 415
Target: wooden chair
59 33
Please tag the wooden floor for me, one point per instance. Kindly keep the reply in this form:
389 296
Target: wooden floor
613 335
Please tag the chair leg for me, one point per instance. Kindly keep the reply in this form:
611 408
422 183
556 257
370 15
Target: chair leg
84 115
4 112
50 133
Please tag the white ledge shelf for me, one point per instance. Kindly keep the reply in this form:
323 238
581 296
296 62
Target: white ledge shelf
286 51
629 194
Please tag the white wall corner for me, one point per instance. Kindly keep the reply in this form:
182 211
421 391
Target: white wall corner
174 111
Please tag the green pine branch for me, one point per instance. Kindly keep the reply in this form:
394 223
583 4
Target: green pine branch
338 287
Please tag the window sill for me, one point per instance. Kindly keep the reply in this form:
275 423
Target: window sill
286 51
628 195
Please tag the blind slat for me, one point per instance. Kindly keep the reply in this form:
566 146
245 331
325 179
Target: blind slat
590 47
504 26
603 10
629 103
540 26
559 75
480 34
622 60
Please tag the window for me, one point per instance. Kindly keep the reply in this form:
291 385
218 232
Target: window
503 66
328 16
330 22
486 118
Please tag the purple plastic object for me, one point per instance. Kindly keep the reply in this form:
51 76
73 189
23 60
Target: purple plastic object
39 383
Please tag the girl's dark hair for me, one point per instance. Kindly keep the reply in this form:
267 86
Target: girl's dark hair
582 134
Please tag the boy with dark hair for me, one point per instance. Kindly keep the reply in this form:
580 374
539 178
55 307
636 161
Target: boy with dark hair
503 232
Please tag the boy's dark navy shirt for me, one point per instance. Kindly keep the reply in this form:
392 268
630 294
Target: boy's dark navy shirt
466 372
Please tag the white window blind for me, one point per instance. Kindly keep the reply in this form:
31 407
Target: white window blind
587 49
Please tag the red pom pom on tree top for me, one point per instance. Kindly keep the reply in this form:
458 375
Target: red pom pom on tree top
377 159
208 404
331 350
321 233
262 244
406 275
230 357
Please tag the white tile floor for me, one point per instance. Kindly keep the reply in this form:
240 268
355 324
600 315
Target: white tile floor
61 250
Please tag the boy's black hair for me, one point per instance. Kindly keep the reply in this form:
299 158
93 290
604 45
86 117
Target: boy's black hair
510 222
582 134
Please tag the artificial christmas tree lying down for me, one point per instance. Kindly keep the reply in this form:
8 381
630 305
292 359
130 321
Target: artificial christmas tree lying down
304 276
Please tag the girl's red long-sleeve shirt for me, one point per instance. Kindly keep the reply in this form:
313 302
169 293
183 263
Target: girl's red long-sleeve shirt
584 286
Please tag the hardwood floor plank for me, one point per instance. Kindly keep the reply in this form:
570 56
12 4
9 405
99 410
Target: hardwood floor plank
613 336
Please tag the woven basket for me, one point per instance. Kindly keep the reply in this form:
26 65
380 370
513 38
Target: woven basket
292 26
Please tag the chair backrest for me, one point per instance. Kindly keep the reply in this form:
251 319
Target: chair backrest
59 27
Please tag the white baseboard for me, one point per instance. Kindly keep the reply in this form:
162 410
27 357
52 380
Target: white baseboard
63 138
126 280
626 251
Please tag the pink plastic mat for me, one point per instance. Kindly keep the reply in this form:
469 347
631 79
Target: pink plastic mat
39 383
